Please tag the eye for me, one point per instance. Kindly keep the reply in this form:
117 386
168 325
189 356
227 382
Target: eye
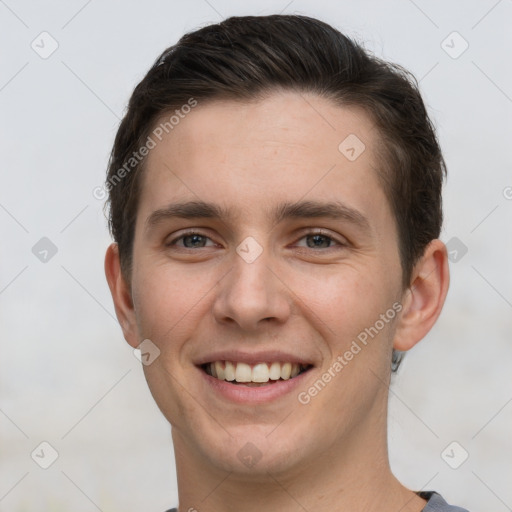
191 240
197 240
320 240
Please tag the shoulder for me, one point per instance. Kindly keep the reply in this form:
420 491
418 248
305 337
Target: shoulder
436 503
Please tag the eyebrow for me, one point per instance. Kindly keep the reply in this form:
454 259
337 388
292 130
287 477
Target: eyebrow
287 210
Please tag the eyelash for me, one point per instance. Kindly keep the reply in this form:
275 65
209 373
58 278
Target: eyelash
309 233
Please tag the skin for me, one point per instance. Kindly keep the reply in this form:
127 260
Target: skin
313 301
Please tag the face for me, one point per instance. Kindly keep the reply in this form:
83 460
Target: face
291 264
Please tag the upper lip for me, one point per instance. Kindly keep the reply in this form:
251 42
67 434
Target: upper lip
240 356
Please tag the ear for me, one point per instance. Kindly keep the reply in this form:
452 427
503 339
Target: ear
121 295
424 299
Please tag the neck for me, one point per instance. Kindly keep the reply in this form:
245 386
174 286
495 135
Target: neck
353 474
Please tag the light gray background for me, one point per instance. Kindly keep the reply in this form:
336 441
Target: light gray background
67 376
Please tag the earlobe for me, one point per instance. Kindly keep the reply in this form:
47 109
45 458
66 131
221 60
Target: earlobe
121 295
424 300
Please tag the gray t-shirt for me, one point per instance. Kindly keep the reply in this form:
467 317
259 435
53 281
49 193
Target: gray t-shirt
435 503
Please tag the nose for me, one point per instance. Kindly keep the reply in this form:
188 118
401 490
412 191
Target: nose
251 295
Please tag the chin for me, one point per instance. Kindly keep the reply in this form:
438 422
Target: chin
252 450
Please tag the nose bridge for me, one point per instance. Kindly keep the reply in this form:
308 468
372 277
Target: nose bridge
251 292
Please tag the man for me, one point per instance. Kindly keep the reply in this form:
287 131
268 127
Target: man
275 199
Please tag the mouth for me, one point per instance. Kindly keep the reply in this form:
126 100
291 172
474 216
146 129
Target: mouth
254 375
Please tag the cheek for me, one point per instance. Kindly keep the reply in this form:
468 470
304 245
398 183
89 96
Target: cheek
168 301
346 310
346 305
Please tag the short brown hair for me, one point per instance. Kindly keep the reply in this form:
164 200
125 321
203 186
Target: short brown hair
244 58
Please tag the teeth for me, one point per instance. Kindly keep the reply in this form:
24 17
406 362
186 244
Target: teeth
229 371
243 373
261 372
286 371
295 370
219 370
275 371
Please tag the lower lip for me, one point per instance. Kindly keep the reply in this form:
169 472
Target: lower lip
253 395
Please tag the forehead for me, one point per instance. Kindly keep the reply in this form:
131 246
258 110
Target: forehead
285 147
283 122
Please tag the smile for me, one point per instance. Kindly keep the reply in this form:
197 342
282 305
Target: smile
259 374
